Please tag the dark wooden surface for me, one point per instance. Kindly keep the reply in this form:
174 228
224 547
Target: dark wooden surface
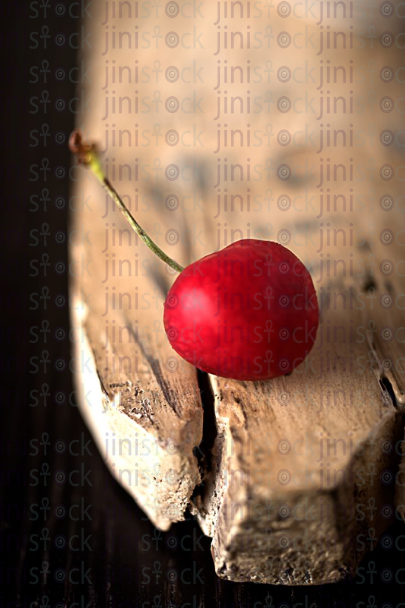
123 560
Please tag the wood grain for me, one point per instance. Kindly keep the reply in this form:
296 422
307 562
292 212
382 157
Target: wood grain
304 443
144 406
277 473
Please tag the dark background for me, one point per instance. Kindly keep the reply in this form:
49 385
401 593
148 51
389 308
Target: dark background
57 554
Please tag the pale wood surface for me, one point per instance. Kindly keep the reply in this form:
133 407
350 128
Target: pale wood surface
141 390
271 432
262 430
268 433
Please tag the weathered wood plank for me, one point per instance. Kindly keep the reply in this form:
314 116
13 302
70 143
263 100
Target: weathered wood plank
278 509
144 406
303 442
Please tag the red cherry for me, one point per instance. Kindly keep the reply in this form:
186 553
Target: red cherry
247 312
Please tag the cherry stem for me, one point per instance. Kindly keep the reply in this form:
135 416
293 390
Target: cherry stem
87 156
